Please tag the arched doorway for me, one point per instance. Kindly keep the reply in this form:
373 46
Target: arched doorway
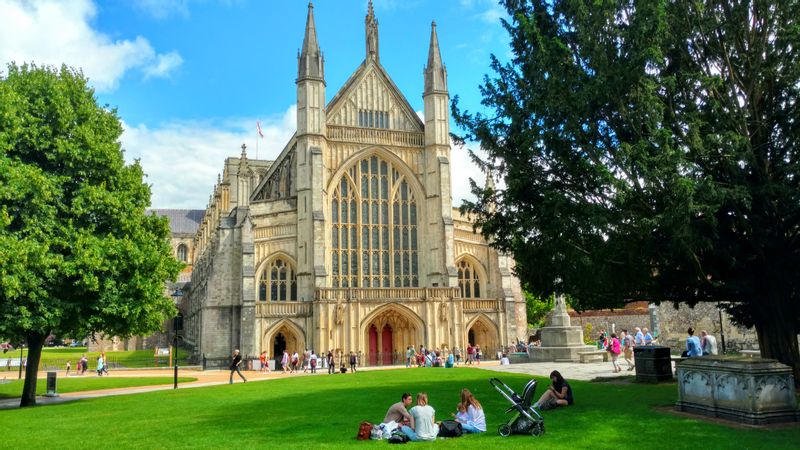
484 333
284 335
387 334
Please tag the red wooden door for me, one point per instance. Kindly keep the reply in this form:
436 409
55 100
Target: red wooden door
386 341
373 346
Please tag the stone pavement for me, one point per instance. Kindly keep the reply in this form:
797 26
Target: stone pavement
570 371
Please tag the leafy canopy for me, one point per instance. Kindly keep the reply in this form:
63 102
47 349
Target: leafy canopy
78 255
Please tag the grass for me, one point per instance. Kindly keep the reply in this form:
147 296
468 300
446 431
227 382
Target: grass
324 412
56 358
80 384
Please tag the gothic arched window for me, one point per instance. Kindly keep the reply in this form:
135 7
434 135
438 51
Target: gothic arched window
278 282
374 228
468 279
183 253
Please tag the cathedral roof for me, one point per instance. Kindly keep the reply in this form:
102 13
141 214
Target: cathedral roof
181 221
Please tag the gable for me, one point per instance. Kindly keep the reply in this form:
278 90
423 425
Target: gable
367 94
278 182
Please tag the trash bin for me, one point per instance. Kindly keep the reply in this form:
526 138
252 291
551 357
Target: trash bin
51 384
653 363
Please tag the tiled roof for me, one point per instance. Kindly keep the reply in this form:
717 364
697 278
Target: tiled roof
181 220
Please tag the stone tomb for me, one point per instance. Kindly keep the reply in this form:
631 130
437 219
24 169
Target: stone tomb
748 390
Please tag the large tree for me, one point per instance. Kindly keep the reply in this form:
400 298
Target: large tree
78 254
649 151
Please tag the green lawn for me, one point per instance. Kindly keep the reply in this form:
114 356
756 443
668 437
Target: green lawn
56 358
80 384
324 412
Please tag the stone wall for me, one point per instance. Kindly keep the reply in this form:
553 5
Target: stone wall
669 323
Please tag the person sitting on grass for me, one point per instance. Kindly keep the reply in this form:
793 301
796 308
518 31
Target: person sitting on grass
397 413
558 394
476 420
423 421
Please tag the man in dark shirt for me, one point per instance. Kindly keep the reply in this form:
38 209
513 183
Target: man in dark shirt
236 362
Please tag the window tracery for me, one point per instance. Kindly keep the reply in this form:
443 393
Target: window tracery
468 279
278 282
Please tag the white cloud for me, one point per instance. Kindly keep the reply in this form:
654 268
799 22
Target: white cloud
182 159
164 66
51 32
493 14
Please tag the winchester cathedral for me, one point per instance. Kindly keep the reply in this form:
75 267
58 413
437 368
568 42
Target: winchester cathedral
348 240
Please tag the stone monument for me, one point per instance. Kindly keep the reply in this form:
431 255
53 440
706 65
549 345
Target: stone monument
560 340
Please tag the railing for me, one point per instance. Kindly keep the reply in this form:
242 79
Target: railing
366 294
283 309
376 136
480 305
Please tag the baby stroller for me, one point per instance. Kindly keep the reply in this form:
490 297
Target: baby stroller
526 420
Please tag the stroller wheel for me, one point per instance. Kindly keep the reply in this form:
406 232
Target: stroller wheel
504 430
537 429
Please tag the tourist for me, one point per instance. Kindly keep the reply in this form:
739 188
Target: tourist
559 393
69 366
353 362
602 339
8 365
264 359
100 366
451 361
693 347
331 364
708 343
236 363
312 361
470 353
306 361
423 421
295 362
285 361
614 350
627 342
409 355
398 412
648 338
83 364
105 363
638 340
476 420
457 354
478 354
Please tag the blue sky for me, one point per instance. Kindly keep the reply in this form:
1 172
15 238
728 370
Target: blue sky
190 77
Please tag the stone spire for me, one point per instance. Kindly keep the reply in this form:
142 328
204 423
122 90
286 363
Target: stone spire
310 63
371 31
435 72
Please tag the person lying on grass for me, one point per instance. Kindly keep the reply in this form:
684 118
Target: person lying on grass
557 394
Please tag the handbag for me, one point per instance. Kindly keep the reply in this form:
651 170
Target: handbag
364 430
450 428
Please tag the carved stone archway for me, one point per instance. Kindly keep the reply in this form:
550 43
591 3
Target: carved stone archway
284 333
482 331
387 333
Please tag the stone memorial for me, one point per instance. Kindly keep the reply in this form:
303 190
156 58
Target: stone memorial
748 390
560 340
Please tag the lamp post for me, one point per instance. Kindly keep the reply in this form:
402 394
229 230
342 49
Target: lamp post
175 325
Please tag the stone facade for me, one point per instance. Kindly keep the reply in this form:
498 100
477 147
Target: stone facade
348 240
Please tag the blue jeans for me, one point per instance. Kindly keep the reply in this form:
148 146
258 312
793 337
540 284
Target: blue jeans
470 429
409 432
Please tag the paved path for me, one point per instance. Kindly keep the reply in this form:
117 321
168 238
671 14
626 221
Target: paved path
572 371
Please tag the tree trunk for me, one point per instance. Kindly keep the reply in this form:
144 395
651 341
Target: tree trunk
35 344
777 336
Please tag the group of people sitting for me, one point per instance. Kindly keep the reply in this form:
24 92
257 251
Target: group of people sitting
419 422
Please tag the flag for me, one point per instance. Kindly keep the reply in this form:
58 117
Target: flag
258 127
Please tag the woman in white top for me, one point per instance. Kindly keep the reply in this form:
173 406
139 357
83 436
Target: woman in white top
476 422
423 423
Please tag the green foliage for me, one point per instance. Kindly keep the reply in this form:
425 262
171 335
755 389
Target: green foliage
537 309
78 255
649 151
324 411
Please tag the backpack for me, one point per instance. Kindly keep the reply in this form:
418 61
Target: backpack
314 363
450 428
398 438
364 430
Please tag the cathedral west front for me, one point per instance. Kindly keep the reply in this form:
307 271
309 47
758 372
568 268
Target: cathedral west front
348 240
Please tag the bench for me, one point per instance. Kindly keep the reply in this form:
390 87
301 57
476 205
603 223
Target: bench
751 353
591 354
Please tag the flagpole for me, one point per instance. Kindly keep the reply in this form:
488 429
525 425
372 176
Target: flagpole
257 139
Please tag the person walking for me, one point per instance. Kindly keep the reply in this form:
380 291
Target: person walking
312 362
285 361
100 366
457 354
236 366
614 350
330 362
69 365
470 353
627 348
105 363
353 362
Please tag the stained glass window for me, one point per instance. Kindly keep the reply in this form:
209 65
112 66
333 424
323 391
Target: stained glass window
278 282
468 279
